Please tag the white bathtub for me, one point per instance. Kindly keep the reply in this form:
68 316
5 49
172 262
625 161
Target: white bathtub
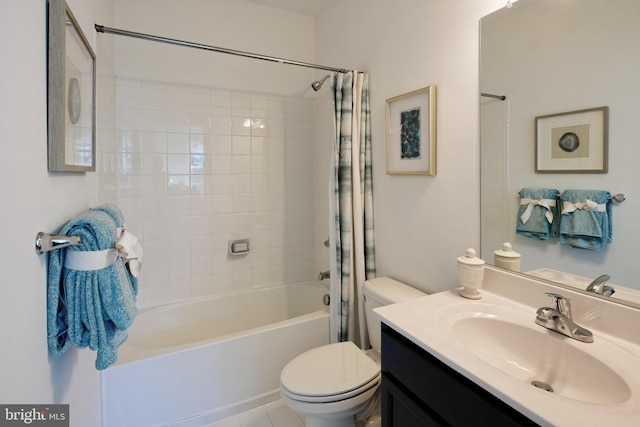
199 361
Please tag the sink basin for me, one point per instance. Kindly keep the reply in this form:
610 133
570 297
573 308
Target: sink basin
496 344
542 358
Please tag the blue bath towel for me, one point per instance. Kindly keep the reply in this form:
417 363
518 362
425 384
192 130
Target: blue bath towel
586 219
90 308
538 213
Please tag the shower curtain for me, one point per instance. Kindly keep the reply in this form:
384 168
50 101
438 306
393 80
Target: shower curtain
351 207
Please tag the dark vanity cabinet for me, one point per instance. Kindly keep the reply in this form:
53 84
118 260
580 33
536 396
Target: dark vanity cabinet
419 390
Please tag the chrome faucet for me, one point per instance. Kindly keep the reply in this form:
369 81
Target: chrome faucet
600 287
558 318
324 275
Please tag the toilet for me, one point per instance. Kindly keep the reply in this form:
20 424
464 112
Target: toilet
330 384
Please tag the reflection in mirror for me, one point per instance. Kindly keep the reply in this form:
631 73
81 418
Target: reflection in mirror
552 57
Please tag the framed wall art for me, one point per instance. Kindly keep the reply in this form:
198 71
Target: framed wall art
411 133
573 142
71 115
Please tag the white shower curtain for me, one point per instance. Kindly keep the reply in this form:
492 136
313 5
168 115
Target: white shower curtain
351 207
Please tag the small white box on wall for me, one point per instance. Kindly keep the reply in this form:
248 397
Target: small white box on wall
238 247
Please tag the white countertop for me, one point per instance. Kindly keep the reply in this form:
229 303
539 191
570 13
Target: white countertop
423 321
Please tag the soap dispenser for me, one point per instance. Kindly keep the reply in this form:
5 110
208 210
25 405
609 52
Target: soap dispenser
507 258
470 274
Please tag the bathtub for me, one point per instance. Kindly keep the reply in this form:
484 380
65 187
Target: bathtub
199 361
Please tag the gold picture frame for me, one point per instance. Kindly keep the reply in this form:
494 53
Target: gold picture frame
411 133
573 142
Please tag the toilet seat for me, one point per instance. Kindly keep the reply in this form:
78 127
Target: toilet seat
329 373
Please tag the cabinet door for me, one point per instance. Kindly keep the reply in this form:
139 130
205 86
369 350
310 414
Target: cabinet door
442 392
401 410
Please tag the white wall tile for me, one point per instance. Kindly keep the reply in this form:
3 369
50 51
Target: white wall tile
129 141
177 121
152 163
241 125
178 143
241 164
154 142
178 185
154 185
178 206
200 123
154 97
221 124
154 120
241 183
178 164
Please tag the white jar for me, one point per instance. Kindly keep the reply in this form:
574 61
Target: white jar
507 258
470 274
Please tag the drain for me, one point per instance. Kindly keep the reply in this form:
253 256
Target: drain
542 385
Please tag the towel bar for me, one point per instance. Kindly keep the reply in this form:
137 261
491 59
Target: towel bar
620 197
47 242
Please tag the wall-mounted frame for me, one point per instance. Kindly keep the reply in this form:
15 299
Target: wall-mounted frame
573 142
71 116
411 133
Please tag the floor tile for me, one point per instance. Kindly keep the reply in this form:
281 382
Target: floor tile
275 414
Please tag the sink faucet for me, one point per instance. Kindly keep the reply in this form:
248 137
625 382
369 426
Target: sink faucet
599 286
558 318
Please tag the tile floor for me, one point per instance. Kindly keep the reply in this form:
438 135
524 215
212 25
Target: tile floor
275 414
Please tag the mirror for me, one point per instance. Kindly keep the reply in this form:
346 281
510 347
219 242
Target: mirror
550 57
71 116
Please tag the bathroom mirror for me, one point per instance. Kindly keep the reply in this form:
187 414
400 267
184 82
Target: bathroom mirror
551 57
71 116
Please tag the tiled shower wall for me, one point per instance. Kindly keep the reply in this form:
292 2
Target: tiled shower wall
193 167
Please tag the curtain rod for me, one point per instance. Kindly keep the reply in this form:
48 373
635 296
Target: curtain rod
103 29
490 95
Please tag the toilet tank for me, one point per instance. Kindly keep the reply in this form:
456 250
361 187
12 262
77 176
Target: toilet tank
379 292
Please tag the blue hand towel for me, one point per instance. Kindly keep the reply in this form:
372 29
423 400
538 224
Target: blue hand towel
538 213
586 219
90 308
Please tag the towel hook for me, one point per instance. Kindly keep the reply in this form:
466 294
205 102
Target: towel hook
46 242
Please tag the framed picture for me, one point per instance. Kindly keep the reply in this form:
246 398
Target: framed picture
411 133
572 142
71 117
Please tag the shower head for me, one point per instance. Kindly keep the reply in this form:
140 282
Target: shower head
318 84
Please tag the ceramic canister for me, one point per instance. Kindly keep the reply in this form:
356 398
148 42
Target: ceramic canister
470 274
507 258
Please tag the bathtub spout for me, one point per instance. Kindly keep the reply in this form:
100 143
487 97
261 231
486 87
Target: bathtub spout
324 275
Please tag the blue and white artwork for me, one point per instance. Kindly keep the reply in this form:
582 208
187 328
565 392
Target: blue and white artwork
410 134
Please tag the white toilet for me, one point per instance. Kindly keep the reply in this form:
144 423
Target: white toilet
330 384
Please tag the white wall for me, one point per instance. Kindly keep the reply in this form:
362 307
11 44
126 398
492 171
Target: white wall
34 200
421 223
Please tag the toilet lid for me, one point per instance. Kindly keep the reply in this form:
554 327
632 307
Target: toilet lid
329 370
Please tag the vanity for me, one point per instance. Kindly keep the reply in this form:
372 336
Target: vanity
447 360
